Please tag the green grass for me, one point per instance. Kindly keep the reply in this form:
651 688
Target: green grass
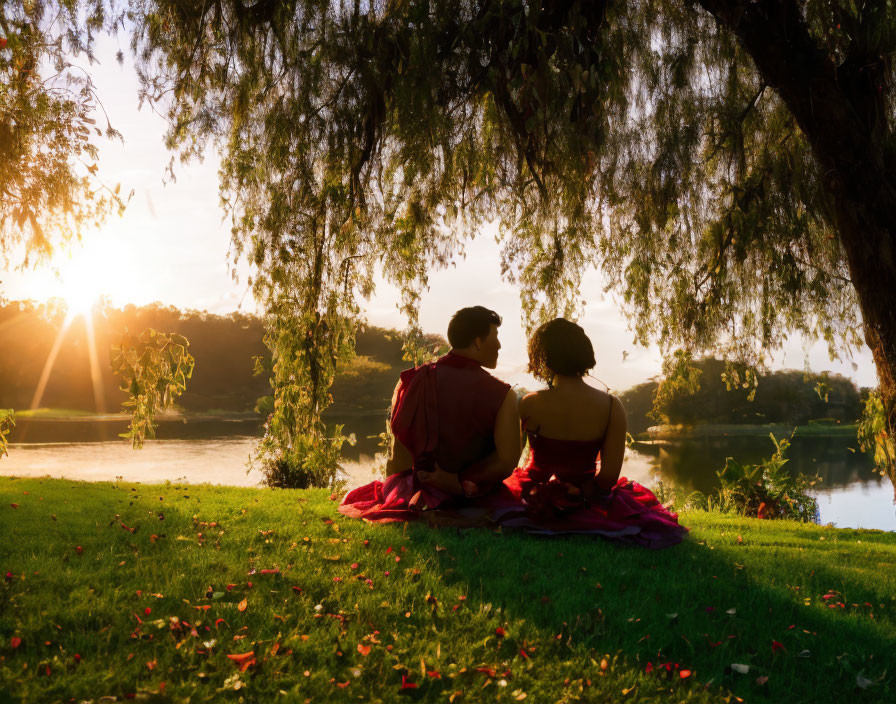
56 413
589 614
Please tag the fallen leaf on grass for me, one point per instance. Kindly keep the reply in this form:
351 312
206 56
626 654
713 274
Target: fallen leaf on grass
244 660
761 680
242 605
776 646
500 632
364 649
684 674
405 682
15 642
863 682
738 667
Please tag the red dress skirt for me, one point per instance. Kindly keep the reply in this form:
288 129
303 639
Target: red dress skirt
547 496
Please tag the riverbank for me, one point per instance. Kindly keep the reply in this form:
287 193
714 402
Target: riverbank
175 591
779 430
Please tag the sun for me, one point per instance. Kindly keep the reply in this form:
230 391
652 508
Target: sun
84 278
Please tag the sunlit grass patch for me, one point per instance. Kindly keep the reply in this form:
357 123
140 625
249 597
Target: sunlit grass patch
170 592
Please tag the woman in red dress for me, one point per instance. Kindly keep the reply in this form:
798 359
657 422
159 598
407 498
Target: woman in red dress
576 434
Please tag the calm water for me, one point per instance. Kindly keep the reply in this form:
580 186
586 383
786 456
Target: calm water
850 493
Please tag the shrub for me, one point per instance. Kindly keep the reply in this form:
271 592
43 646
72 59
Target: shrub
762 490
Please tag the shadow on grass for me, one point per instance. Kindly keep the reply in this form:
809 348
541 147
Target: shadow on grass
692 605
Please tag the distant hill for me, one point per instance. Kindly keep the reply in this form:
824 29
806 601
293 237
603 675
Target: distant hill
788 396
224 346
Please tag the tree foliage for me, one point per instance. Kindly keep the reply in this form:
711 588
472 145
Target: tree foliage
784 396
154 368
49 137
656 137
7 422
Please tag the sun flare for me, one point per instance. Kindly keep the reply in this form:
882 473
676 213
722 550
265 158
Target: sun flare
84 277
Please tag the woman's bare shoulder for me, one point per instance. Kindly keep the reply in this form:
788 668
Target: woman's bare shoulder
530 402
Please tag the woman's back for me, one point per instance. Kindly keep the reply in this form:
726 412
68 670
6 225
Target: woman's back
567 412
574 412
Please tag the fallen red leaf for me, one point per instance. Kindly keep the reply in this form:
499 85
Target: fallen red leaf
244 660
297 590
684 674
364 649
2 42
15 642
524 654
79 549
269 572
500 632
342 685
147 611
229 587
16 506
649 668
435 674
151 665
242 605
77 658
219 621
405 682
776 646
490 671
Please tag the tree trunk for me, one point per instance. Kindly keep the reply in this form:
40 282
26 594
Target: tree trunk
841 111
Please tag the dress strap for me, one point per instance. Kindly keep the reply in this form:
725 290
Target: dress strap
609 418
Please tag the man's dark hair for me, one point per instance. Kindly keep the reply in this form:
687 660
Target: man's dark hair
469 323
560 347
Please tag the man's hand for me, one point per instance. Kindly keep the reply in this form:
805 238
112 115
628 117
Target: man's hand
442 480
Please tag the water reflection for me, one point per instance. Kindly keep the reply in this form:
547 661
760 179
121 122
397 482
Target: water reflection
693 463
850 493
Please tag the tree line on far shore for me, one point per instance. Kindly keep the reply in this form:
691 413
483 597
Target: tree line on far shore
226 347
785 396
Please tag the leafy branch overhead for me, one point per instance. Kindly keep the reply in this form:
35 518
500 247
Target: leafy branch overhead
51 124
154 368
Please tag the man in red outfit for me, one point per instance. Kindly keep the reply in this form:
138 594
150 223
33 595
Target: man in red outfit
455 426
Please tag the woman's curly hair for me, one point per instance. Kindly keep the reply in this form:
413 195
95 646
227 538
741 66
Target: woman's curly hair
560 347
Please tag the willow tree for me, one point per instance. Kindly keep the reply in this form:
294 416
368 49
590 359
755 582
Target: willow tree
49 133
728 164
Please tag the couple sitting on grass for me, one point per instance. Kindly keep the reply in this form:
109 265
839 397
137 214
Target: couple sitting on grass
457 436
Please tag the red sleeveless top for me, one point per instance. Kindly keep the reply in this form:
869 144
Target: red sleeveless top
445 412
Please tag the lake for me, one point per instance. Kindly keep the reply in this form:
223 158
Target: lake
850 493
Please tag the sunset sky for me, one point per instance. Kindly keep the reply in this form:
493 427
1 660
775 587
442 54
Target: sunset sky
172 246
